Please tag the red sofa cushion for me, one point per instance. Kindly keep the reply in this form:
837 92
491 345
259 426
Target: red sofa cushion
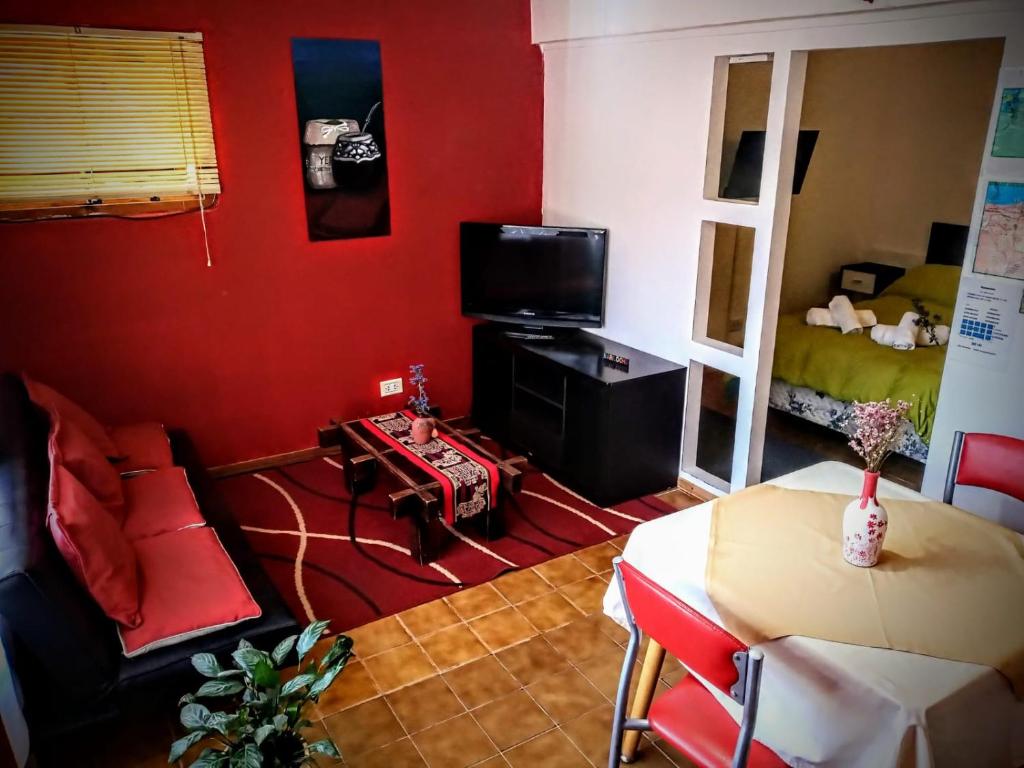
159 502
94 547
59 406
141 446
72 448
192 561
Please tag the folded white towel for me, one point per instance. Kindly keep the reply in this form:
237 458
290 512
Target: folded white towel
924 339
823 316
884 334
844 315
902 336
906 334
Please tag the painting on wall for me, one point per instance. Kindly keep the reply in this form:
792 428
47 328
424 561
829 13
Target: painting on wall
1009 137
1000 248
340 103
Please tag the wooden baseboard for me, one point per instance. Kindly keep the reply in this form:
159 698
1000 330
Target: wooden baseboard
269 462
695 490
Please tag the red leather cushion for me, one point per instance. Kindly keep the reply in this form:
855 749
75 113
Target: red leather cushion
93 545
992 461
695 640
689 718
141 446
159 502
71 447
172 564
57 405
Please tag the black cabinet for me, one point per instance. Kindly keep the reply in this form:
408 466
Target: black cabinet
607 433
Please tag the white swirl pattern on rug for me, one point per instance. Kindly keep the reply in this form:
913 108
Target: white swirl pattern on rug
358 540
300 521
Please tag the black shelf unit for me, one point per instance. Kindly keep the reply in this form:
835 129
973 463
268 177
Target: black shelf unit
609 434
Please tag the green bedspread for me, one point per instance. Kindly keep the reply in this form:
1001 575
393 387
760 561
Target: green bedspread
853 367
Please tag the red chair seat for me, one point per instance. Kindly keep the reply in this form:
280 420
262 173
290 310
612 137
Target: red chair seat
159 502
143 446
690 719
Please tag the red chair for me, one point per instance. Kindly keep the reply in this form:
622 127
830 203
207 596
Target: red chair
688 717
995 462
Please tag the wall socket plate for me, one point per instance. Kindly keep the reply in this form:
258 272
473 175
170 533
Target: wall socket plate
390 387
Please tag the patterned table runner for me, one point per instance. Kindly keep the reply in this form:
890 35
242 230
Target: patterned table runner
949 584
468 481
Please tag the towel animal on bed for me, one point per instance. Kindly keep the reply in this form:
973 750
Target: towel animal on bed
908 334
841 314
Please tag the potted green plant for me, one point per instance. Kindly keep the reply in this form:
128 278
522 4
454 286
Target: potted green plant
265 730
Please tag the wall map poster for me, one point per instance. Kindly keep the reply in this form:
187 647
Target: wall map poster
1000 248
340 103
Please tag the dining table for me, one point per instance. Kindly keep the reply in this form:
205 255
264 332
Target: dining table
827 703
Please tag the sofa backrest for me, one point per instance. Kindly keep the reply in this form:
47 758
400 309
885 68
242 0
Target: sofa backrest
65 650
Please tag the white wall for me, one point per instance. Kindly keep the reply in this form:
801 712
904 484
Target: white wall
625 138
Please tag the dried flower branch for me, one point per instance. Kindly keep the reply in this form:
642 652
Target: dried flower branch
419 402
876 430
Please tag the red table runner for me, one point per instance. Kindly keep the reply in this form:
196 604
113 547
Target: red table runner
468 481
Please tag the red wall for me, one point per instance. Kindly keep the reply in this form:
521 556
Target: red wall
282 334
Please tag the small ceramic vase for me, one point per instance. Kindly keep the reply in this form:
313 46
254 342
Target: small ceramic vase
422 430
354 160
864 525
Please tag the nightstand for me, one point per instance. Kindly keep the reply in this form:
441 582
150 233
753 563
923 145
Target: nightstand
867 279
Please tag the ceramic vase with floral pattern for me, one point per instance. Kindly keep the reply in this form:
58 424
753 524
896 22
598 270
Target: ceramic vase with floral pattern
422 430
864 525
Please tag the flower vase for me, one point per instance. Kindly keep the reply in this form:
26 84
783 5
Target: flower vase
423 430
864 525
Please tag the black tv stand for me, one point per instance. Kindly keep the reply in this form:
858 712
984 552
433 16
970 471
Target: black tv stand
609 434
535 332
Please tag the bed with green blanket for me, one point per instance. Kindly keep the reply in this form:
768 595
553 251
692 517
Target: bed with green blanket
818 372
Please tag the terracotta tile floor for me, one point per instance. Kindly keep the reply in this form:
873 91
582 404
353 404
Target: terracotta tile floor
517 672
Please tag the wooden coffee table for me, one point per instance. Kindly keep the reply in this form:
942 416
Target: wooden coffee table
419 497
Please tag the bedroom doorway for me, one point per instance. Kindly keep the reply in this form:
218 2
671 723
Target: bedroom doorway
885 173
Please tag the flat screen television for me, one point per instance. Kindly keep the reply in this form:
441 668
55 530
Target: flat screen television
534 276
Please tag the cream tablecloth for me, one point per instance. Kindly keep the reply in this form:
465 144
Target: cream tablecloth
830 704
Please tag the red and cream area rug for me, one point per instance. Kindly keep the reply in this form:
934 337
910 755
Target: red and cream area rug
343 559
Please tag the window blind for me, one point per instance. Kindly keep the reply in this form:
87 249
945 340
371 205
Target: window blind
103 121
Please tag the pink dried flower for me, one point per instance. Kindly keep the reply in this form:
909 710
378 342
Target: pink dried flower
877 428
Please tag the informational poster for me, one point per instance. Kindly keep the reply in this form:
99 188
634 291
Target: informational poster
985 328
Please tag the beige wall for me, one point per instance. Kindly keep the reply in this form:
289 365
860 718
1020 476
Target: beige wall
902 131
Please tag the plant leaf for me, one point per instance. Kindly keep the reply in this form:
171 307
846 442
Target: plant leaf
280 722
194 716
326 679
182 745
219 688
206 664
324 747
342 647
297 682
265 676
243 643
281 651
248 658
210 758
188 698
229 673
309 637
262 732
219 721
248 756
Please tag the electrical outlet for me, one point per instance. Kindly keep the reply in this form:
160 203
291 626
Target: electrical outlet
391 387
